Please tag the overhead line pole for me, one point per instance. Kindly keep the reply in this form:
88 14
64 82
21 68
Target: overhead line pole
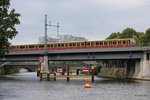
46 41
57 26
46 36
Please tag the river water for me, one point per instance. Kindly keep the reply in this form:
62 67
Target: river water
26 86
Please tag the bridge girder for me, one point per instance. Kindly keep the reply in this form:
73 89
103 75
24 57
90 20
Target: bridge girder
75 56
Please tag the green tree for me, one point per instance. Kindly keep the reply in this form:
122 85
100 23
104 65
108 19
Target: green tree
8 20
128 33
147 36
139 36
114 35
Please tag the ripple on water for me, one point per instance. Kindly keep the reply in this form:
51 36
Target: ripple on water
26 86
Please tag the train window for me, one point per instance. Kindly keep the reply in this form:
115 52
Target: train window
114 42
22 47
74 44
70 44
48 45
51 45
85 43
82 44
124 42
97 43
119 42
78 44
66 45
55 45
62 45
92 43
105 43
101 43
31 46
59 45
40 46
88 43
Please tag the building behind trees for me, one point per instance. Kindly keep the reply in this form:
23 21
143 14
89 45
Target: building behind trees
62 38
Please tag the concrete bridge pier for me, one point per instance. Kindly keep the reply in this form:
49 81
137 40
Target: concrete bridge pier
141 69
46 64
45 70
145 64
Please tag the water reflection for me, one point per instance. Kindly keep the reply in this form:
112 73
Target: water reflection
26 86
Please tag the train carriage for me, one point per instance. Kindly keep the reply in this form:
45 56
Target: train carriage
108 43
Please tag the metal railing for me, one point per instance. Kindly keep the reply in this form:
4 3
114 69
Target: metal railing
142 44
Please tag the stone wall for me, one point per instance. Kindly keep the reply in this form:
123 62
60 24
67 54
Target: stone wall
142 69
112 72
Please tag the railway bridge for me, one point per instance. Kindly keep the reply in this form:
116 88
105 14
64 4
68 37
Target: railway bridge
137 55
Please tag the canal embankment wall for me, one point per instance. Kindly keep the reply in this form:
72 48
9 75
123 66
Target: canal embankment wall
139 70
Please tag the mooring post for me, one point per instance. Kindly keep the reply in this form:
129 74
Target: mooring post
92 72
92 75
54 76
38 72
40 76
47 76
67 73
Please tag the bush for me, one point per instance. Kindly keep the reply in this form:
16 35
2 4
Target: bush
9 70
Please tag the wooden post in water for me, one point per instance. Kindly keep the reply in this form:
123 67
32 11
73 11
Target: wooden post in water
67 73
54 76
47 76
92 73
40 76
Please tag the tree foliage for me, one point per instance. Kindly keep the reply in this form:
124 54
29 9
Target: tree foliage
128 33
8 20
147 36
115 35
140 37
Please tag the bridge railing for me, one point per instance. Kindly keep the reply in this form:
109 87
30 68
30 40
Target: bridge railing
143 44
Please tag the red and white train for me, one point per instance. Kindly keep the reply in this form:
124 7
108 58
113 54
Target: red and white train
108 43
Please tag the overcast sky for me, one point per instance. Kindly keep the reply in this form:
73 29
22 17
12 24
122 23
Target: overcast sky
92 19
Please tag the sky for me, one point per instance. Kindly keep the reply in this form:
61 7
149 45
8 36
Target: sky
92 19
